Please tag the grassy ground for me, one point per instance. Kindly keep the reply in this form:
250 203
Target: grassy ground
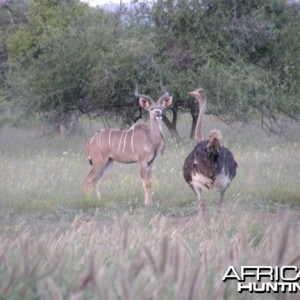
56 244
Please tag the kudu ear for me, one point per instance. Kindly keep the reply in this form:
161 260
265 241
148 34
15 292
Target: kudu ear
144 103
167 102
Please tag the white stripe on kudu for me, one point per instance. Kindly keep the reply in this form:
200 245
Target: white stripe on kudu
109 138
132 137
120 141
124 143
99 143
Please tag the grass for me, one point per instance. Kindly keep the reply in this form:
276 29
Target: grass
139 256
57 244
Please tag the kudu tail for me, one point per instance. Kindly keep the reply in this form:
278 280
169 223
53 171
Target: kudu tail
88 151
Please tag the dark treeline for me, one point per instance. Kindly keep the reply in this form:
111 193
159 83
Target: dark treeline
63 59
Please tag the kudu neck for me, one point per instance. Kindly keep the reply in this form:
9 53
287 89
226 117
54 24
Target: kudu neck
155 130
199 137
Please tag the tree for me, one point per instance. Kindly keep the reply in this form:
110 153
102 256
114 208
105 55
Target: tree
78 60
11 15
231 48
68 59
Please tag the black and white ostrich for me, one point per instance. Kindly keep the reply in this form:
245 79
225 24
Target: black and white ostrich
209 165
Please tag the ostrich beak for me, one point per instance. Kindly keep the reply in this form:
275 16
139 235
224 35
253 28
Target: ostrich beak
191 93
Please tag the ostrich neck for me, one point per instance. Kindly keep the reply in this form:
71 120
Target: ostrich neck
199 129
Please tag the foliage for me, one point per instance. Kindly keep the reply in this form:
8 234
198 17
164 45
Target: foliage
66 58
232 48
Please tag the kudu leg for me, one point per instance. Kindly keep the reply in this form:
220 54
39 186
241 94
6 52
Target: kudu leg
95 175
88 181
146 178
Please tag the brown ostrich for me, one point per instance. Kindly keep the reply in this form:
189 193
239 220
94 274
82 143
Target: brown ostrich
209 165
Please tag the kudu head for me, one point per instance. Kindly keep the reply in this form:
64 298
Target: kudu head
155 108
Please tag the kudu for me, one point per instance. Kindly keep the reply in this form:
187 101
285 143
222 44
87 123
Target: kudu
139 144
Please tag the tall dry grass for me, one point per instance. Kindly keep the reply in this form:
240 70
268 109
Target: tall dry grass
136 258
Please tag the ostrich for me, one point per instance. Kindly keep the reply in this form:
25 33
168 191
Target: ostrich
209 165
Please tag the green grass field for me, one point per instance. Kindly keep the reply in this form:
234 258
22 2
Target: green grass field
57 244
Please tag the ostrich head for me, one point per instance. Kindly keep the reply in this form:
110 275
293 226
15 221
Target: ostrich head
199 94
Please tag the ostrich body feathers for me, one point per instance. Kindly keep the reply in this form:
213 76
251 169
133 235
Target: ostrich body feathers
210 165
